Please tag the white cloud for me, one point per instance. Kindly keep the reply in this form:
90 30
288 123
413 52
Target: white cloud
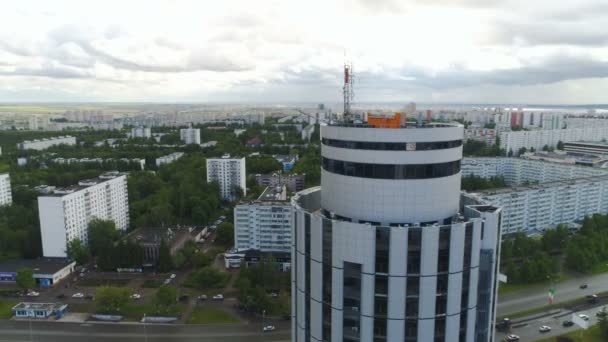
293 50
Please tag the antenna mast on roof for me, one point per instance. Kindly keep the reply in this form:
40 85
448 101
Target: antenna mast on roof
348 91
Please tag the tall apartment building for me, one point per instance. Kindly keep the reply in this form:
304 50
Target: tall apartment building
5 190
43 144
514 141
141 132
190 135
381 250
65 215
229 173
264 224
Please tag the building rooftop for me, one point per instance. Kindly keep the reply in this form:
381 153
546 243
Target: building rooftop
274 194
40 306
541 186
38 266
85 183
594 143
157 234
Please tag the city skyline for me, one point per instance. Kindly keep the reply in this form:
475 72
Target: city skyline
437 51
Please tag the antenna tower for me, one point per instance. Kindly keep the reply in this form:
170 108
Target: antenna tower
348 91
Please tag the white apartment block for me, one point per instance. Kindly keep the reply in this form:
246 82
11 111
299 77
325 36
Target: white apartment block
141 132
516 171
65 215
514 141
229 173
5 190
43 144
190 135
264 224
582 122
559 193
535 208
168 158
485 135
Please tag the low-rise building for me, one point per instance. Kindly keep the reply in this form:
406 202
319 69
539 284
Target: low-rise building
599 148
5 190
293 182
288 161
43 144
47 271
39 310
485 135
264 224
151 238
169 158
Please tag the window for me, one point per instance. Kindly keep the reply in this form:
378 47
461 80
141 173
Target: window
391 171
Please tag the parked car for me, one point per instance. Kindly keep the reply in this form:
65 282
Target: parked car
602 313
583 286
583 317
78 295
592 299
33 294
136 296
512 338
269 328
172 276
184 298
218 297
201 298
274 294
60 296
544 328
567 323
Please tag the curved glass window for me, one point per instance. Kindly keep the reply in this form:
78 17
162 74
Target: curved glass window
392 146
391 171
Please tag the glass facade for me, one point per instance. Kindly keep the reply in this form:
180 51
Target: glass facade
391 171
466 281
392 146
443 268
327 278
352 302
307 276
383 235
412 287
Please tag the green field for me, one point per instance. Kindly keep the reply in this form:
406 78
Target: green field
590 335
6 309
208 315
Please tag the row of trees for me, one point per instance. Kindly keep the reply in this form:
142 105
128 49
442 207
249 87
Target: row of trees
527 259
256 281
472 148
113 300
589 247
473 183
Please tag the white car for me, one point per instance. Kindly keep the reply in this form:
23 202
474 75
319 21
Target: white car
218 297
583 317
78 295
172 276
136 296
512 338
269 328
33 294
544 328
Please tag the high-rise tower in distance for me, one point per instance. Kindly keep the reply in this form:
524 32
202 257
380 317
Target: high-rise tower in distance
387 249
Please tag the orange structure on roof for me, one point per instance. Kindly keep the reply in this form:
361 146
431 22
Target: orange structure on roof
386 122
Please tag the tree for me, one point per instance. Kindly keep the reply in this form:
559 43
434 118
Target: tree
110 299
560 145
546 148
78 251
165 299
102 234
207 278
522 151
225 234
25 279
165 263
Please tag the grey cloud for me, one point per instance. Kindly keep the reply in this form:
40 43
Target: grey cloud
49 71
549 33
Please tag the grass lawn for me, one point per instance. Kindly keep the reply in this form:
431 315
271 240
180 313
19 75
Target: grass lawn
590 335
103 282
152 283
203 314
510 288
6 309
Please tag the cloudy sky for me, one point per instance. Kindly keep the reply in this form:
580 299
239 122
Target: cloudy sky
482 51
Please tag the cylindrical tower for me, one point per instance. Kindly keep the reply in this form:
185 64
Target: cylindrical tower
384 250
391 176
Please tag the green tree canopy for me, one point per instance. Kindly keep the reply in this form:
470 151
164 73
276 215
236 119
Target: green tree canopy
225 234
25 279
165 299
78 252
165 263
111 300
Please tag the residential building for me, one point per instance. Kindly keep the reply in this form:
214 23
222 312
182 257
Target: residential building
190 135
599 148
288 161
5 190
264 224
552 121
293 182
230 174
307 132
141 132
381 250
65 214
47 271
553 157
168 159
151 238
485 135
43 144
513 141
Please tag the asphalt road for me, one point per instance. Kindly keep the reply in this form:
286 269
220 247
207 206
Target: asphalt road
529 332
19 331
564 291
